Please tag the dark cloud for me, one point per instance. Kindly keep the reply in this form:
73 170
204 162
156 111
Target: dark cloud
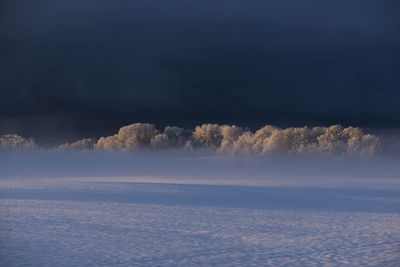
84 68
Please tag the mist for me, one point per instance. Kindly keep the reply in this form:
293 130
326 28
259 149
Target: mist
188 167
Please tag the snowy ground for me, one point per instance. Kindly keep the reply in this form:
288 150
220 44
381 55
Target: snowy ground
121 221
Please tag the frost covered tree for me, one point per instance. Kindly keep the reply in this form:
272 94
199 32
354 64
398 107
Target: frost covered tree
13 141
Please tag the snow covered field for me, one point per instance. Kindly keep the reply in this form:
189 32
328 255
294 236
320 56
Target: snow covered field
167 221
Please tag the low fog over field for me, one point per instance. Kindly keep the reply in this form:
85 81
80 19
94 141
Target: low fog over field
213 195
132 204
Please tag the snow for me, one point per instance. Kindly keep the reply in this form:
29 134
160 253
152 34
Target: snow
173 221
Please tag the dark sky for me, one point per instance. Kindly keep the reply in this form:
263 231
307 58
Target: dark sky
71 69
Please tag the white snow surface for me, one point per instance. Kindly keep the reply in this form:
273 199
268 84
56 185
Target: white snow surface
126 222
196 212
